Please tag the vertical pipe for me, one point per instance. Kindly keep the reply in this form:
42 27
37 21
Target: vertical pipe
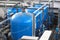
39 1
6 6
49 3
59 17
42 15
49 11
33 26
52 10
53 3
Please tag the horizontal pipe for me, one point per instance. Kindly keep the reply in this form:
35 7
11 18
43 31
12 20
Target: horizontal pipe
40 8
38 13
40 4
32 8
4 21
10 2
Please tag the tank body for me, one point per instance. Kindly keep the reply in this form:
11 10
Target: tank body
21 24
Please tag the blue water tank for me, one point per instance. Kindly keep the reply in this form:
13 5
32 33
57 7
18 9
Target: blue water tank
38 18
45 10
13 11
21 25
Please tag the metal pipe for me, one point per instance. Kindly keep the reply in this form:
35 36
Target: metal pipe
4 21
39 1
33 26
53 3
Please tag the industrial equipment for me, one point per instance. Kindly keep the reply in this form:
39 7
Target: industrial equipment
25 23
25 20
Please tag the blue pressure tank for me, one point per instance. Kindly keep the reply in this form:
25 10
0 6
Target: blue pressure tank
21 25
